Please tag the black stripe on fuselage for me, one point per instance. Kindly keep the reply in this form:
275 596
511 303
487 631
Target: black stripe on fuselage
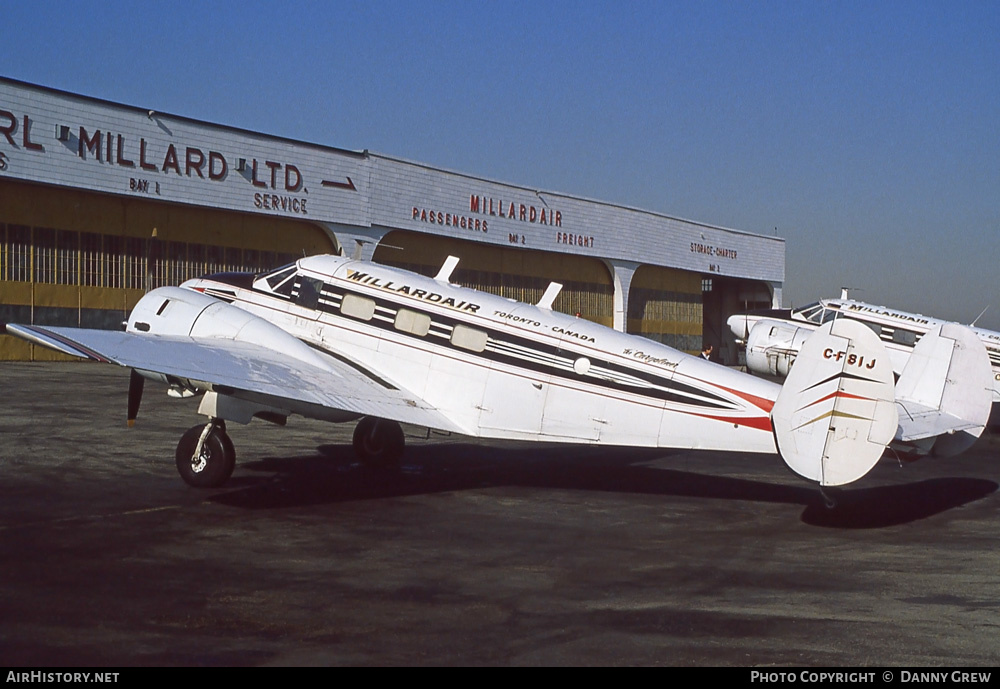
366 372
503 347
541 358
888 334
222 295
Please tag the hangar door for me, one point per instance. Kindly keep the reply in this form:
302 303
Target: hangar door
723 297
664 304
82 259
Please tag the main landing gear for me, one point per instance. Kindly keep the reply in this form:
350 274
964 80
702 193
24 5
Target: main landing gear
378 442
205 455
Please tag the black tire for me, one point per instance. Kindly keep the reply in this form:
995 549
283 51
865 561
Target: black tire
217 461
378 442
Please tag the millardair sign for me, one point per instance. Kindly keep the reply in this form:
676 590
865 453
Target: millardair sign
124 152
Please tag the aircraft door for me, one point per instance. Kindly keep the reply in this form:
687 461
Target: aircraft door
516 386
514 403
571 412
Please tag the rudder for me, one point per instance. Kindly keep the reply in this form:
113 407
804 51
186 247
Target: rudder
836 412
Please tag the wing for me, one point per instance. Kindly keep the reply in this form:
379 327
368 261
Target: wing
247 371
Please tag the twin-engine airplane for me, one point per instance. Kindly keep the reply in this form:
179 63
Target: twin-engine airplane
337 339
773 337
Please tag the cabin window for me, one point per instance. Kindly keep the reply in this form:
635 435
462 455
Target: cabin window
472 339
904 337
358 307
412 322
994 355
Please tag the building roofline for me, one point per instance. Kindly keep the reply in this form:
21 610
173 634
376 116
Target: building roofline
366 154
574 197
182 118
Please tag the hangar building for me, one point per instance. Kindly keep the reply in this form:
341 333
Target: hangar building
100 202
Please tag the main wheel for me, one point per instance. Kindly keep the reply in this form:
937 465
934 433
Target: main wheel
214 464
378 442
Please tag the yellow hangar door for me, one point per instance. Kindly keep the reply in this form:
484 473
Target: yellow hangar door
82 259
665 305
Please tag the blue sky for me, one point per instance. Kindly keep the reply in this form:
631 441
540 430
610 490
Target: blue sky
866 133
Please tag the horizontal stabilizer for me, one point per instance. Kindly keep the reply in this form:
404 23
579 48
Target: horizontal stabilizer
945 389
835 413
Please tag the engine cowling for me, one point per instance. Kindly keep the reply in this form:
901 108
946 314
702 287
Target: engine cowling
772 347
178 312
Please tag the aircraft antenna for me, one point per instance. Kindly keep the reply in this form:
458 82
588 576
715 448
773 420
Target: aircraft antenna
976 319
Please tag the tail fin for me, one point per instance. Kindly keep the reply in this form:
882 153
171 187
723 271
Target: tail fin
835 413
945 392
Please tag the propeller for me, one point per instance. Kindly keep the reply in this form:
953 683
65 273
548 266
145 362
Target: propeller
135 386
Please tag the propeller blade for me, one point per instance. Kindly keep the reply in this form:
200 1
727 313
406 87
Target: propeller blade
135 386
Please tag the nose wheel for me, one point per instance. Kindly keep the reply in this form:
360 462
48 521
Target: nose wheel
378 442
206 456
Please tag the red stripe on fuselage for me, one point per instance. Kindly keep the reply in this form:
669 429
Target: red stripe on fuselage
762 403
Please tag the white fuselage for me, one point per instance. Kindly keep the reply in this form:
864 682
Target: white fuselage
504 369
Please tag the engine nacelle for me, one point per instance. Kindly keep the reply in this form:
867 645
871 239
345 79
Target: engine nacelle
772 347
178 312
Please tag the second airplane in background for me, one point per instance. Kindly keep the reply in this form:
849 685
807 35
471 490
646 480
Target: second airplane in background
774 337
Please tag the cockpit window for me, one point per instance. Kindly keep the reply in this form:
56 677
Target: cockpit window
278 276
829 315
280 280
810 312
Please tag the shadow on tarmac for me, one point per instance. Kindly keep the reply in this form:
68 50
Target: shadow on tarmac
334 475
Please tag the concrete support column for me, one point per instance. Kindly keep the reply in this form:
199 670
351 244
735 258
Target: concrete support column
775 294
621 273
